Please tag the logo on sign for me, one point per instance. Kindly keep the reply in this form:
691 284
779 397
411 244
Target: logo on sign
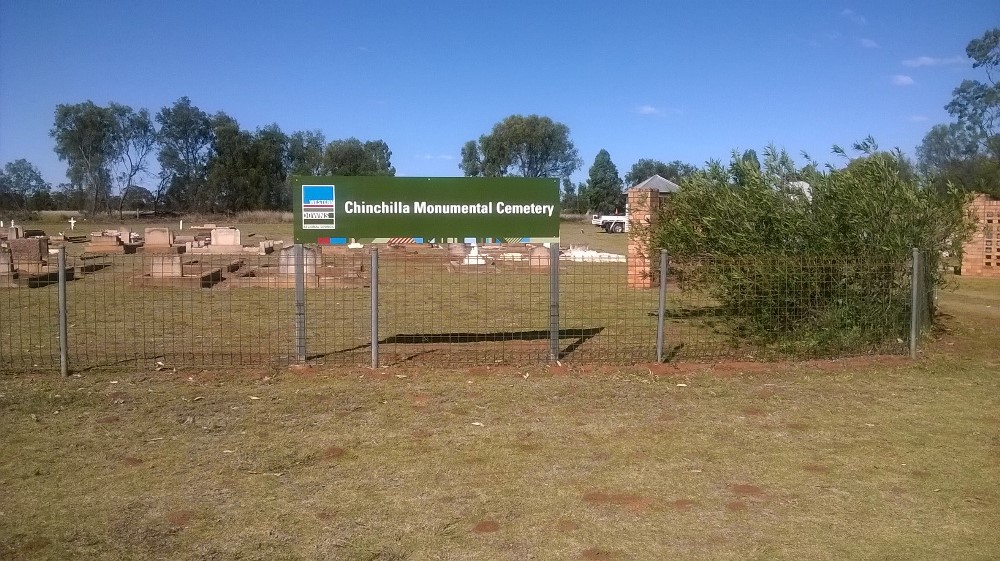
319 207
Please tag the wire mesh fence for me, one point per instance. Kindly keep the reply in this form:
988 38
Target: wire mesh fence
445 307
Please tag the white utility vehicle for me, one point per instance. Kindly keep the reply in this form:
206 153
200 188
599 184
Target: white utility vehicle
611 223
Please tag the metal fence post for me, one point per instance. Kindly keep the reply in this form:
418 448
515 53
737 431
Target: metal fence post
661 316
300 304
554 301
63 319
374 335
915 275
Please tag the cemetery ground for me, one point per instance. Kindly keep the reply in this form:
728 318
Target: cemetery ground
871 457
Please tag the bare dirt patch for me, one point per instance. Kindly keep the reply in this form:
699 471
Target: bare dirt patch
332 453
179 518
746 490
107 420
486 526
131 461
420 399
753 412
816 468
636 503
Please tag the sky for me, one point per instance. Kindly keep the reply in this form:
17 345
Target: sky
688 81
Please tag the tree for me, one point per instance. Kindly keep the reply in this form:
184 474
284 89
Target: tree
604 186
531 146
967 152
133 139
574 197
185 146
84 134
676 171
22 187
305 152
247 170
472 161
351 157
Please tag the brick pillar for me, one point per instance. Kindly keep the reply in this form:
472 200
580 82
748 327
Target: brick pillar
643 205
981 255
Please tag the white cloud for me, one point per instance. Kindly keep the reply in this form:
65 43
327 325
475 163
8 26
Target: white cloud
853 16
868 43
902 80
918 118
935 61
648 110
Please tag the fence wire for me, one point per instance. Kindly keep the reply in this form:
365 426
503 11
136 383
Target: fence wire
442 307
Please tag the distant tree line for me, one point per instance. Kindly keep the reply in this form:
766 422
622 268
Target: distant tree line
207 163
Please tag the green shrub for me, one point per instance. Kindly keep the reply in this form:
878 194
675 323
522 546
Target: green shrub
818 266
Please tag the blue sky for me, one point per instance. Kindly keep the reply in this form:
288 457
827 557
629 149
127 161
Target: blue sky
683 81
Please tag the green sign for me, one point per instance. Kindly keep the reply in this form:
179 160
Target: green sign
335 210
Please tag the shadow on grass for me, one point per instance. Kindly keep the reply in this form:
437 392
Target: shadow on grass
579 335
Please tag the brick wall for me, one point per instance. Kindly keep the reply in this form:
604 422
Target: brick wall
981 255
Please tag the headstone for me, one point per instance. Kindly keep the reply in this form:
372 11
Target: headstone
125 234
103 243
15 232
539 257
72 223
165 265
226 236
311 259
6 263
158 237
473 258
29 250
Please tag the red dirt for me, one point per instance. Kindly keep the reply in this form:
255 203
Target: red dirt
633 502
816 468
754 412
324 515
595 554
567 526
420 399
559 370
683 505
736 506
179 518
486 526
332 453
130 461
746 490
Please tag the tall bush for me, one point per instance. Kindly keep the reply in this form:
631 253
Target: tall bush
810 257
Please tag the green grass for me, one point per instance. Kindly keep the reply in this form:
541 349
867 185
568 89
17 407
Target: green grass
874 458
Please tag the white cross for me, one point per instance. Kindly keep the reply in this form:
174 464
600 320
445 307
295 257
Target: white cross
72 223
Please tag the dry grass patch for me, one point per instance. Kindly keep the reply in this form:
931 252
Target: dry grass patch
621 464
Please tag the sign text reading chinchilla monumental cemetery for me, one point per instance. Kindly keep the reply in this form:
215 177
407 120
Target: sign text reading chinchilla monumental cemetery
335 210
